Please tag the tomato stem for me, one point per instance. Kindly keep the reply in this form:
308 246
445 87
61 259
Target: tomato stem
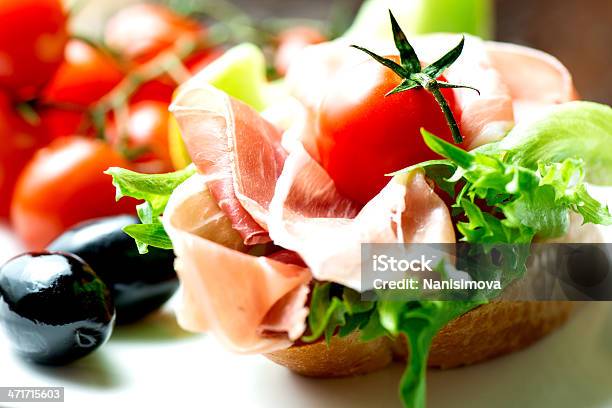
28 113
169 62
433 88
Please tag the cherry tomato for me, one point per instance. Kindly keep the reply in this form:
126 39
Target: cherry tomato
85 76
147 136
160 90
142 31
364 134
19 140
291 42
63 185
57 123
201 59
32 38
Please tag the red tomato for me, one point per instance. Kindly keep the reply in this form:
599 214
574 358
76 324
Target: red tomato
159 90
364 134
291 42
32 38
142 31
58 123
202 59
63 185
19 141
85 76
146 131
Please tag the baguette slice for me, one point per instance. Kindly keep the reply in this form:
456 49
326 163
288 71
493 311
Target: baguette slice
488 331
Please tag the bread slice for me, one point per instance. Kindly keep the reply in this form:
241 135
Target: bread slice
490 330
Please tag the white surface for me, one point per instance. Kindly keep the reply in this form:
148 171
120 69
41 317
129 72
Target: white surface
156 365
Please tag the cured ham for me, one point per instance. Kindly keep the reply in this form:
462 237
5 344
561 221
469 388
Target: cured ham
534 78
253 304
237 149
256 185
324 232
258 304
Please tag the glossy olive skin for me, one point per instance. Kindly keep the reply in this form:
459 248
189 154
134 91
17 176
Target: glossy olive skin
140 284
54 308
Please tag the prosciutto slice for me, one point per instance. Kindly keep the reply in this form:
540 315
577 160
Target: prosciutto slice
534 78
322 231
252 304
237 149
255 187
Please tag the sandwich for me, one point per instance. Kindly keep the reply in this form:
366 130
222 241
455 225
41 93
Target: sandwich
437 140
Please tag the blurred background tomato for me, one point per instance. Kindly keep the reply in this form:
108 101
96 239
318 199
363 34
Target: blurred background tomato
74 104
62 185
86 74
32 38
19 140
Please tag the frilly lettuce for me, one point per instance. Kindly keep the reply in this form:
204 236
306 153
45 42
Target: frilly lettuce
522 202
155 190
578 130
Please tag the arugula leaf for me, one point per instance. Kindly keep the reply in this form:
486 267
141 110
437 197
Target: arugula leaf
373 330
445 149
155 190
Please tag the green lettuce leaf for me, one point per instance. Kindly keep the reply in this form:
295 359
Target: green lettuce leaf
155 190
532 202
333 307
419 322
149 235
574 130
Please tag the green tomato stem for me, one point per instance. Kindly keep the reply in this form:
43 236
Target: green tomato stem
431 85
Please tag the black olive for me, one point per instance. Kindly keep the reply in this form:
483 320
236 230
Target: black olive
140 284
53 307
